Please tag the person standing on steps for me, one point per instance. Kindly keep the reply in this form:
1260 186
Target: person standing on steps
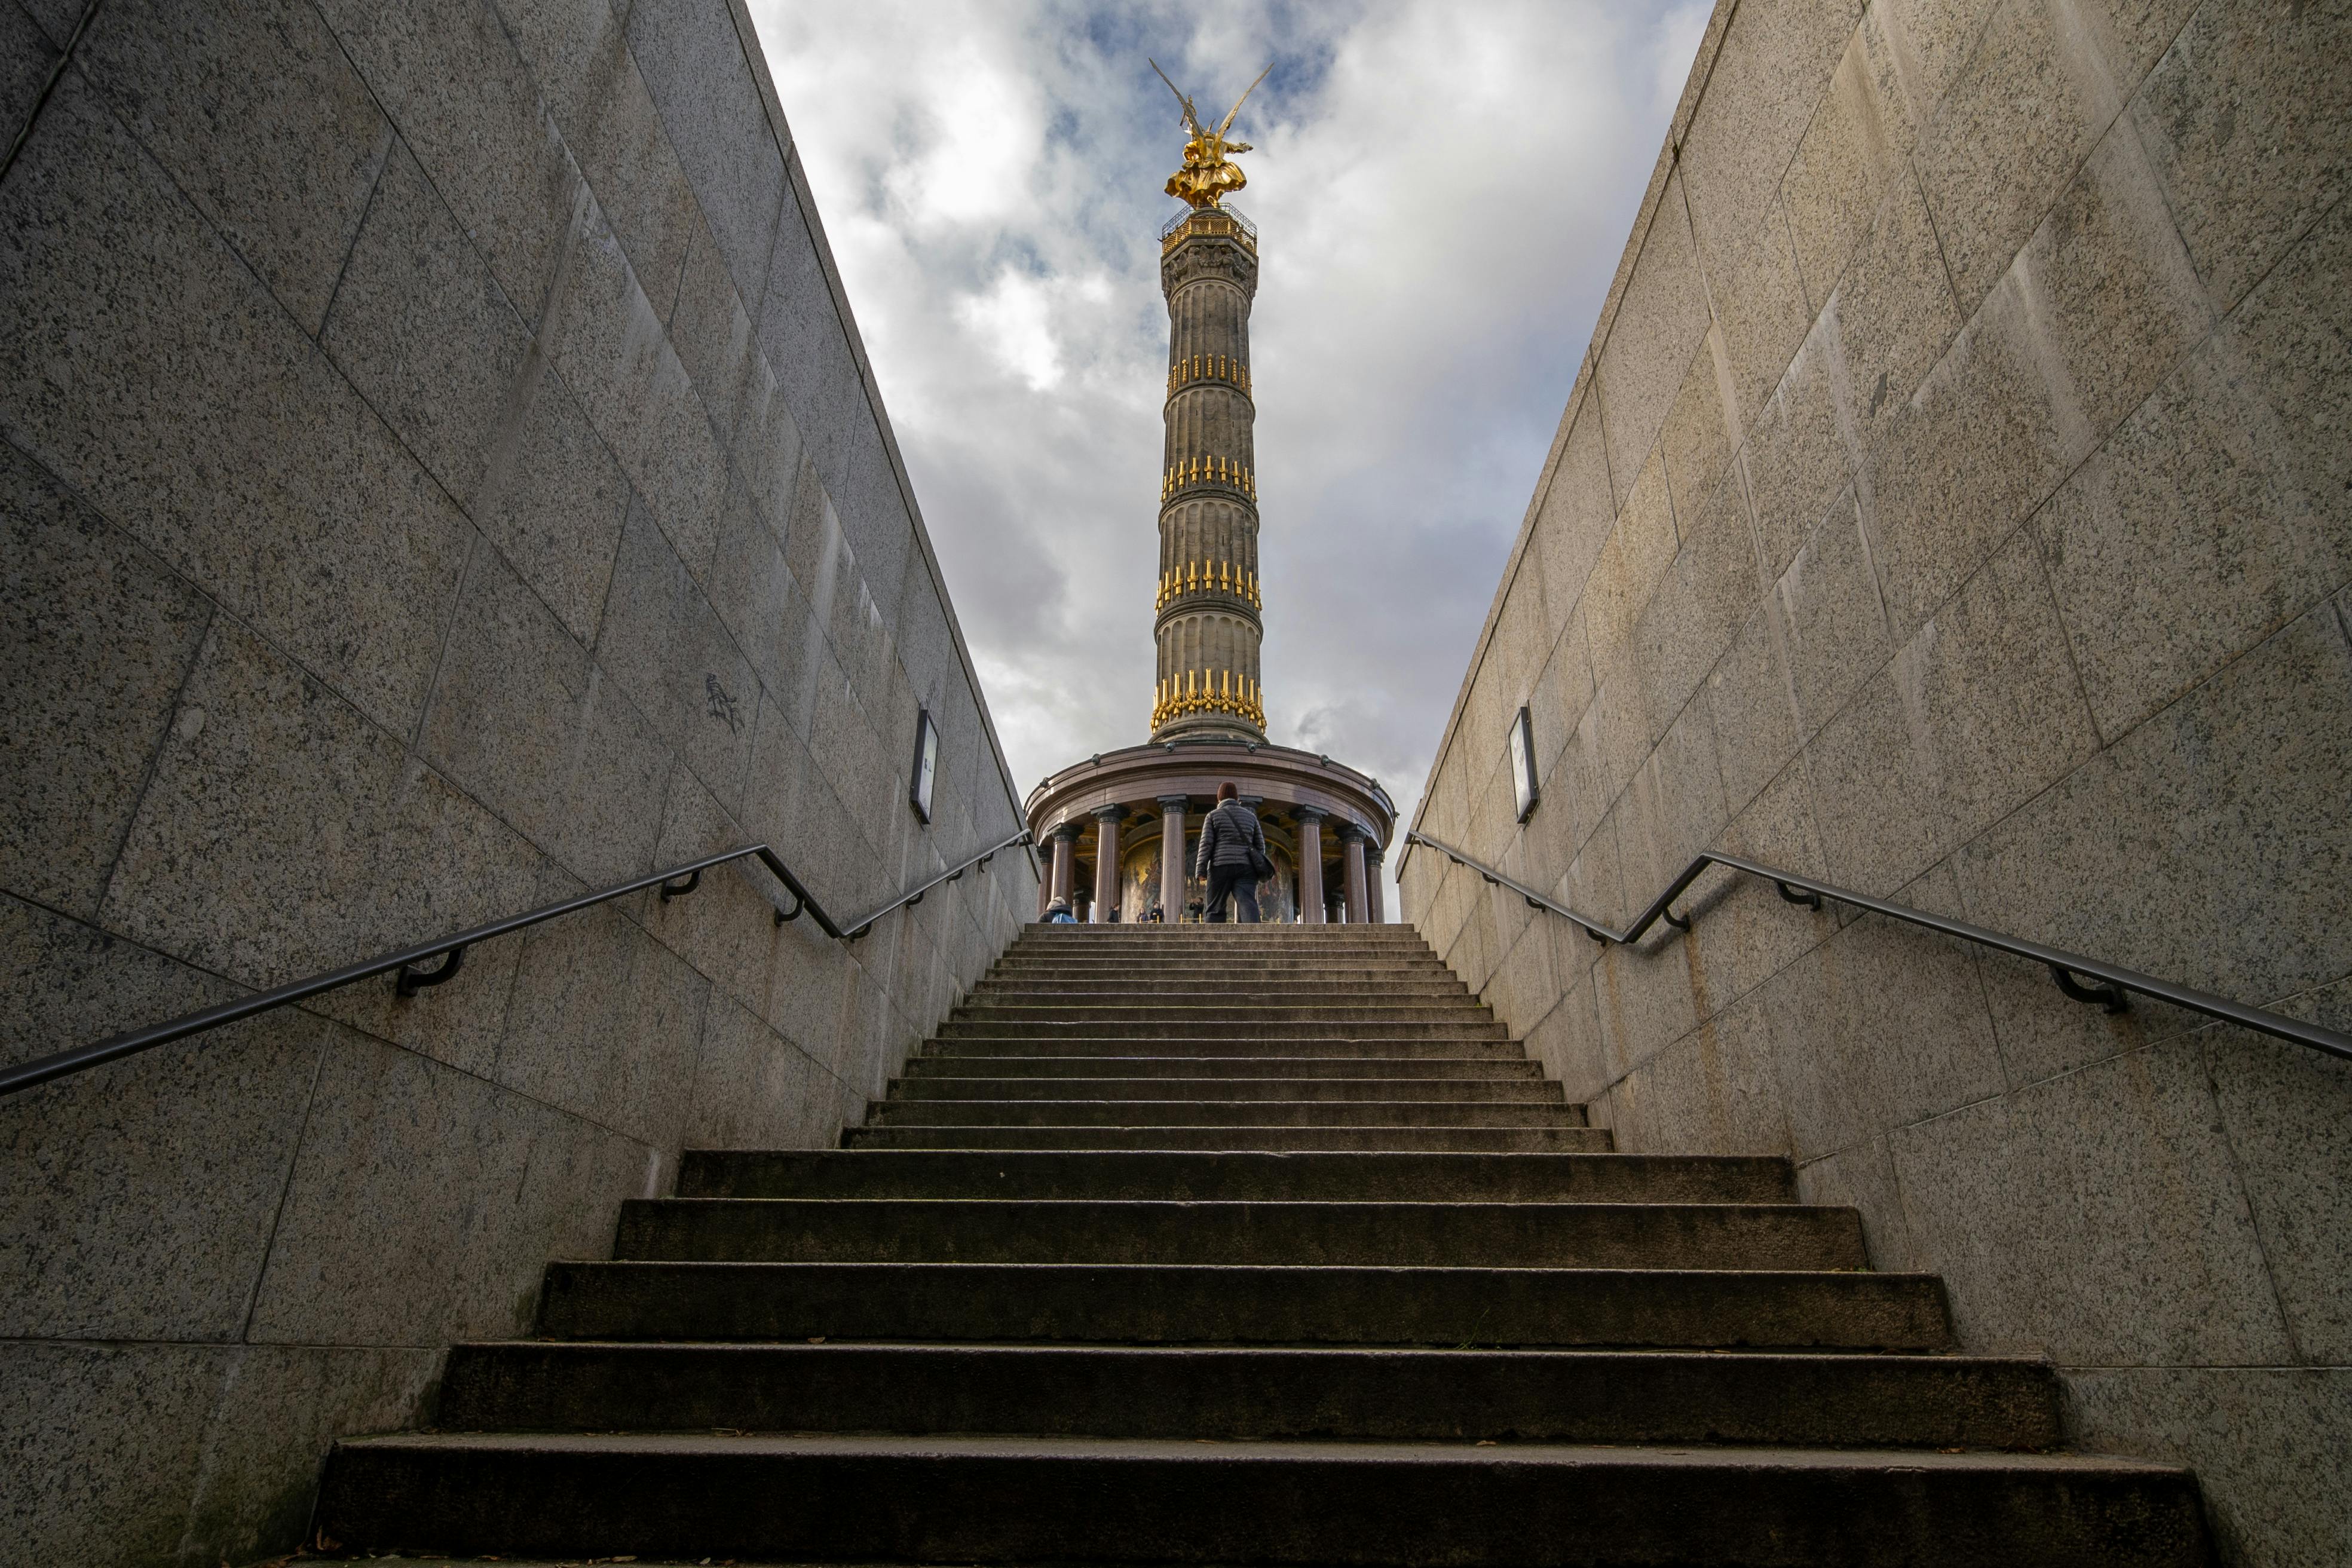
1233 857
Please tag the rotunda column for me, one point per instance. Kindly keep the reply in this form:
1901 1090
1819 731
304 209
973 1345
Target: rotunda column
1175 877
1310 863
1351 872
1373 902
1107 862
1066 861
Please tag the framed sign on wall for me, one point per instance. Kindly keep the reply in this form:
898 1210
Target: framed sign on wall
1523 763
926 771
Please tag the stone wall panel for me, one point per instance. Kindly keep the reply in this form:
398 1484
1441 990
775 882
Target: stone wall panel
104 636
1973 716
1858 141
210 872
1659 321
424 1204
525 577
2053 520
604 1022
121 1429
1796 455
278 1410
26 58
1775 61
447 73
145 367
2094 1237
422 331
2033 99
2285 1112
1882 1025
1863 1178
2243 1428
261 120
2248 120
694 65
141 1194
525 722
1833 617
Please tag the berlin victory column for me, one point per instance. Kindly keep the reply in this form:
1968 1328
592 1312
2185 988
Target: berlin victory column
1325 824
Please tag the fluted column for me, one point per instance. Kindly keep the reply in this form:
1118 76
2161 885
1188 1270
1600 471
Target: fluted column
1207 622
1107 862
1351 872
1065 860
1310 864
1373 862
1174 875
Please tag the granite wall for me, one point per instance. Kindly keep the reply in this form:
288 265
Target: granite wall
439 474
1956 502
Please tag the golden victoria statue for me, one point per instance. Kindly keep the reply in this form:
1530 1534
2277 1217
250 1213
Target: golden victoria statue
1207 176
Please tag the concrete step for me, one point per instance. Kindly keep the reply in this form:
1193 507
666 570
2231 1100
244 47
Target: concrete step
1229 1066
1206 1088
1213 969
1460 1140
1490 1047
1257 1394
1184 932
1236 1178
948 1499
1448 1308
1255 994
1217 1113
1265 947
1464 1010
1046 1023
1775 1236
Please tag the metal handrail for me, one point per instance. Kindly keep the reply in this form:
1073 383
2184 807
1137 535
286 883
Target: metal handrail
675 883
2068 969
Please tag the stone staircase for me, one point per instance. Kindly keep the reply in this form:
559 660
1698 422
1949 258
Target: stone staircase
1242 1245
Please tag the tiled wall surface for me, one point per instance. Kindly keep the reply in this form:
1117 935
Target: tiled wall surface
438 474
1955 503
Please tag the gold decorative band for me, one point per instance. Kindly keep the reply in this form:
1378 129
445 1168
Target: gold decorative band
1209 471
1197 691
1208 367
1207 577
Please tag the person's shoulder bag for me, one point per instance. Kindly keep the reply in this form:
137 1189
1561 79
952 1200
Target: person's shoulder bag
1261 867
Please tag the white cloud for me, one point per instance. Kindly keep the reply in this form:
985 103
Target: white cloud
1014 320
1442 191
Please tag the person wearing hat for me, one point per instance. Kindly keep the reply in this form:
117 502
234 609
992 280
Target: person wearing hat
1057 913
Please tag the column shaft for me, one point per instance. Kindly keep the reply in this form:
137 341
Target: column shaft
1066 861
1310 867
1175 877
1351 874
1107 863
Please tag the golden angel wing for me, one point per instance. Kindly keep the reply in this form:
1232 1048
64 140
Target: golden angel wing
1242 100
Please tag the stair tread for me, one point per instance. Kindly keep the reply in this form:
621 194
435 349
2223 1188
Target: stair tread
1692 1457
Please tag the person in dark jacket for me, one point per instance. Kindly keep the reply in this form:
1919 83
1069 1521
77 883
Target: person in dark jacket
1231 846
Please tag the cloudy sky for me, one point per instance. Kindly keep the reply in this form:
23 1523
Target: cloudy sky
1442 188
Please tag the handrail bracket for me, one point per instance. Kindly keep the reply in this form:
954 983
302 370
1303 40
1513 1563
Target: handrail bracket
2114 998
1804 896
412 979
